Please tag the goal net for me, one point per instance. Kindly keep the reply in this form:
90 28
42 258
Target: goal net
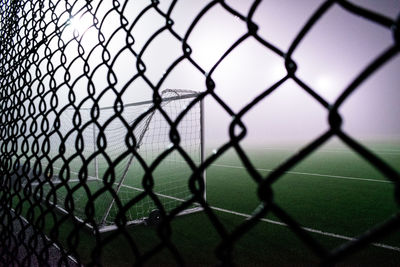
104 160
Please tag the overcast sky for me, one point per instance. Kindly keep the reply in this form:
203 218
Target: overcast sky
331 55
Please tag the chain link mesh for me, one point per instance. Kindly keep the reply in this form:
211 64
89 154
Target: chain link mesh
49 68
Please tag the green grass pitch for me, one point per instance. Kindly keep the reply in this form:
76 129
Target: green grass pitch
333 193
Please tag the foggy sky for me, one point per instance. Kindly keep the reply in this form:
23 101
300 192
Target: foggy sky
331 55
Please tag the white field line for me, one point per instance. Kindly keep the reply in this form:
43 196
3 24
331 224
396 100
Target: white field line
311 174
311 230
155 193
128 186
392 152
45 236
281 223
58 181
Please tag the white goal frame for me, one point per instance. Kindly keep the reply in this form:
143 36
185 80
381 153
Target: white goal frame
102 226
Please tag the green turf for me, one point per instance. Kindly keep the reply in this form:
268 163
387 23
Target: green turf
337 205
169 183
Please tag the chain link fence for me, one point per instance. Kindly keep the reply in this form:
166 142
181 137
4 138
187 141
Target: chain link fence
53 65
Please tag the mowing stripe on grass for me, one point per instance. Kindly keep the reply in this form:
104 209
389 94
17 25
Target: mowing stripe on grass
311 230
311 174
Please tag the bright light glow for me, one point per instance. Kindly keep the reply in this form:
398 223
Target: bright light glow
327 87
80 24
74 22
81 27
324 83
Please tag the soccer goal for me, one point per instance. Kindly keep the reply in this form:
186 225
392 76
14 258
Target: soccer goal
88 154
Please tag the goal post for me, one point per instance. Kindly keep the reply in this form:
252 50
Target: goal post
78 172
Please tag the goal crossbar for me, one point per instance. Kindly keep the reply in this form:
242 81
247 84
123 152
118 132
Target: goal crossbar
141 103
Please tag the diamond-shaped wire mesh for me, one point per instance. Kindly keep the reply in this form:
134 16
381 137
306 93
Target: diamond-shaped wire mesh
60 57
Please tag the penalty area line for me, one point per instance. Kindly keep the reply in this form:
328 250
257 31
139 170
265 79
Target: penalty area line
310 174
311 230
392 152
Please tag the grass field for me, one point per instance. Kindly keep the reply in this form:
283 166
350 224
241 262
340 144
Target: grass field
334 193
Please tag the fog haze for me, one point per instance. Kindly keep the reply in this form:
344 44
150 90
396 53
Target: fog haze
329 58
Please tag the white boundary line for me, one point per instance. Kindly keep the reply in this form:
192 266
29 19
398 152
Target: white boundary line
307 173
311 174
155 193
311 230
393 152
46 237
